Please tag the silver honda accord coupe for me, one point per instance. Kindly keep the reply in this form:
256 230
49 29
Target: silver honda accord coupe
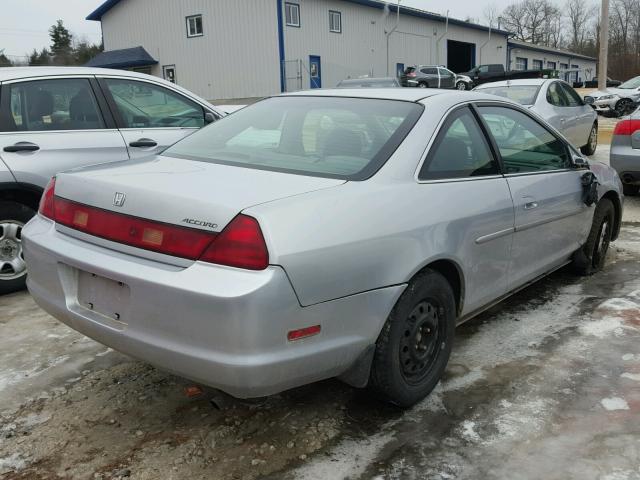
340 233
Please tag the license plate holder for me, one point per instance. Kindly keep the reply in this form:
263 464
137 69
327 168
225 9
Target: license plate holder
103 296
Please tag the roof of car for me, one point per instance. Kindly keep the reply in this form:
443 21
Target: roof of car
14 73
407 94
520 81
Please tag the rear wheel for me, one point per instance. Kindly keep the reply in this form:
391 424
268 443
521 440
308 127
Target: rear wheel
422 85
630 189
13 269
590 258
461 86
413 348
590 148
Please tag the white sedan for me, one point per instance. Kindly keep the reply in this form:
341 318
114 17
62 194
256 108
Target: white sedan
556 102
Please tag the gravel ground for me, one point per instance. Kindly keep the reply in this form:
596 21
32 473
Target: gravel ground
545 385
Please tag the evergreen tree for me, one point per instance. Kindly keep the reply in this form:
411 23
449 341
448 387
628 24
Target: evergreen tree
61 44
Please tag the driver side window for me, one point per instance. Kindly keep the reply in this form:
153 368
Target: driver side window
145 105
524 144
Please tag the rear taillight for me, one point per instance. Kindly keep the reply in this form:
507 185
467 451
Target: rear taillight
412 74
137 232
627 127
47 202
240 244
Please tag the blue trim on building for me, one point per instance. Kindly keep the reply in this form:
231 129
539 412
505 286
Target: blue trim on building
102 9
281 47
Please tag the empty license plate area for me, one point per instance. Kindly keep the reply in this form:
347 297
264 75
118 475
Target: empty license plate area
103 296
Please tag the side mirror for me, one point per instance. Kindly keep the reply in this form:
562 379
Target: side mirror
209 118
588 100
579 162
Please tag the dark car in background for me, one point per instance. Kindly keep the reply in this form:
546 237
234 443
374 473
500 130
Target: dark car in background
367 82
495 72
428 76
593 83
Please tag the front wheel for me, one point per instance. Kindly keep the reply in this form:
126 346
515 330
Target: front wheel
623 106
413 348
590 148
13 269
590 258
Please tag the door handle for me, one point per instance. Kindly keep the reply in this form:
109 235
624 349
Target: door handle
22 147
562 120
530 205
144 142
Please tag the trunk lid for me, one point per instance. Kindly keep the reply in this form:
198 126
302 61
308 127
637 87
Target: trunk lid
186 193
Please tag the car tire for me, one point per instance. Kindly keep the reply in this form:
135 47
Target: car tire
590 148
591 257
461 86
415 343
623 107
423 85
630 189
13 271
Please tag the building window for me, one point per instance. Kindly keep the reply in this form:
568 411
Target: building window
292 14
335 22
551 65
521 63
537 64
564 66
194 26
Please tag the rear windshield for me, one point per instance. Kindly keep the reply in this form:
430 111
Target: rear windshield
523 94
348 138
409 70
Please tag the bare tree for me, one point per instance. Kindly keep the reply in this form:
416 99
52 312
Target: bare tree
580 14
490 15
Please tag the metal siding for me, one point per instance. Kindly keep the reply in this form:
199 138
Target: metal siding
559 58
361 47
236 57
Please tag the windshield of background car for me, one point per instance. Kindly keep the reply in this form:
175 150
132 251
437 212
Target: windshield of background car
630 84
336 137
522 94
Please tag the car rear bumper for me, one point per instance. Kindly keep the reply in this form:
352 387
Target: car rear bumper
626 161
219 326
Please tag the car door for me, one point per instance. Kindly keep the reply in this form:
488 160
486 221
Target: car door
447 78
557 111
431 77
583 116
48 125
151 117
550 218
468 206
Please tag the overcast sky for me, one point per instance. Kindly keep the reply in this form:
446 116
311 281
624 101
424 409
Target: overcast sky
24 24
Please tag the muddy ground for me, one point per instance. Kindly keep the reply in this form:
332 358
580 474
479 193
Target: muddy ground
546 385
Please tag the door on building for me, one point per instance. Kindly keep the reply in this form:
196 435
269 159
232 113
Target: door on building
399 69
461 56
169 73
315 72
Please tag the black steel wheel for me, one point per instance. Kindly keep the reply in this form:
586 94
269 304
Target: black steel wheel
415 343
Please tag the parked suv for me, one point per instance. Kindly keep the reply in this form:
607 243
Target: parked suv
58 118
428 76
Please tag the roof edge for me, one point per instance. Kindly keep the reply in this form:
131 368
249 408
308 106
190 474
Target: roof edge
97 14
513 43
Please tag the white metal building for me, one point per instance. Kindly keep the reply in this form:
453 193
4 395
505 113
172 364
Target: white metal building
523 56
223 49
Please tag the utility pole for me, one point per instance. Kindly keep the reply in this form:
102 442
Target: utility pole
604 46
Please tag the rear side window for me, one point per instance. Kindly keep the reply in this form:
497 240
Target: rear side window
145 105
556 96
460 150
46 105
430 71
349 138
525 145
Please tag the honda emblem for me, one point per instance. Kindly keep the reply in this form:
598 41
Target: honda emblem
118 199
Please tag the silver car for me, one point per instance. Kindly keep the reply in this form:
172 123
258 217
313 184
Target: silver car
555 101
339 233
57 118
616 100
625 152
